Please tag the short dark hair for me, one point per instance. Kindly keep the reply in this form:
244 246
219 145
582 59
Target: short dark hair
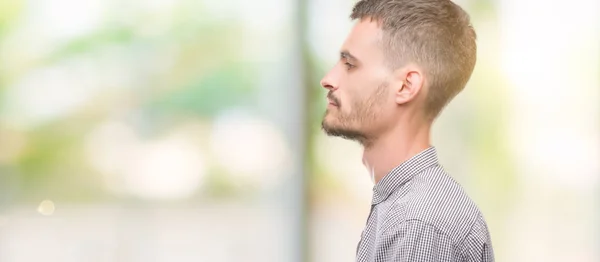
435 34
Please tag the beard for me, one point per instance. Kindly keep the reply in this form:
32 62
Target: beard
354 125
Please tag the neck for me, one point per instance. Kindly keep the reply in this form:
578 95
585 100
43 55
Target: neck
393 148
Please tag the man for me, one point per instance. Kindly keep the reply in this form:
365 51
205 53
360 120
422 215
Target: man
402 62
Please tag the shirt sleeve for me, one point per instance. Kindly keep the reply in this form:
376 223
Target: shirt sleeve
477 246
416 241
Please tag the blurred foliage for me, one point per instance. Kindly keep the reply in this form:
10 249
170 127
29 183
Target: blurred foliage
89 43
207 74
9 11
206 96
53 164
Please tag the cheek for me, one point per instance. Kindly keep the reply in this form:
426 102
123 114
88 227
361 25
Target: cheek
347 103
359 93
358 87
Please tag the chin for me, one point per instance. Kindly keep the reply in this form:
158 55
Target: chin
330 123
327 125
329 119
339 130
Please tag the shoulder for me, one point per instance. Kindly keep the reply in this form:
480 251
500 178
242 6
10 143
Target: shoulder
434 199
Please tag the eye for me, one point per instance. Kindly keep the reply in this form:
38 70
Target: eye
348 65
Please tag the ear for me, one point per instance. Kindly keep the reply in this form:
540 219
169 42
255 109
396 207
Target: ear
409 83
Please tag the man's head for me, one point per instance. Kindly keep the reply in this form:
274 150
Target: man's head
402 59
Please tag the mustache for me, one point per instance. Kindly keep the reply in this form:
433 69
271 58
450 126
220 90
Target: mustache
333 98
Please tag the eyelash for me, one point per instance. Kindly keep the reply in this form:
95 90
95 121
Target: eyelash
349 66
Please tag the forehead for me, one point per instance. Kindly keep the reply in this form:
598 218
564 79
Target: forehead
364 40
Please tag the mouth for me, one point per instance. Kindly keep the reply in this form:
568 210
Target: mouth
332 100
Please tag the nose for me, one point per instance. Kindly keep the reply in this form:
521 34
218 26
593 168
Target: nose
329 81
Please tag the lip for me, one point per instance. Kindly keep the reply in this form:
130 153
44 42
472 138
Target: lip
331 100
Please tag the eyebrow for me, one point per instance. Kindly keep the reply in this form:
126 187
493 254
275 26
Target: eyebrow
347 55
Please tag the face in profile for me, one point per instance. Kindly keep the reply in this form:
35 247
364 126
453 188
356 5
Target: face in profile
359 98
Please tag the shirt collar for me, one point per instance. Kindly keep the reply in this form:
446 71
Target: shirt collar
403 173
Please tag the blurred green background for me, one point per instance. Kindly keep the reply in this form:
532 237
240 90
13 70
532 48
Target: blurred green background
180 130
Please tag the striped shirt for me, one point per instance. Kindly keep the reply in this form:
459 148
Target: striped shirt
419 213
